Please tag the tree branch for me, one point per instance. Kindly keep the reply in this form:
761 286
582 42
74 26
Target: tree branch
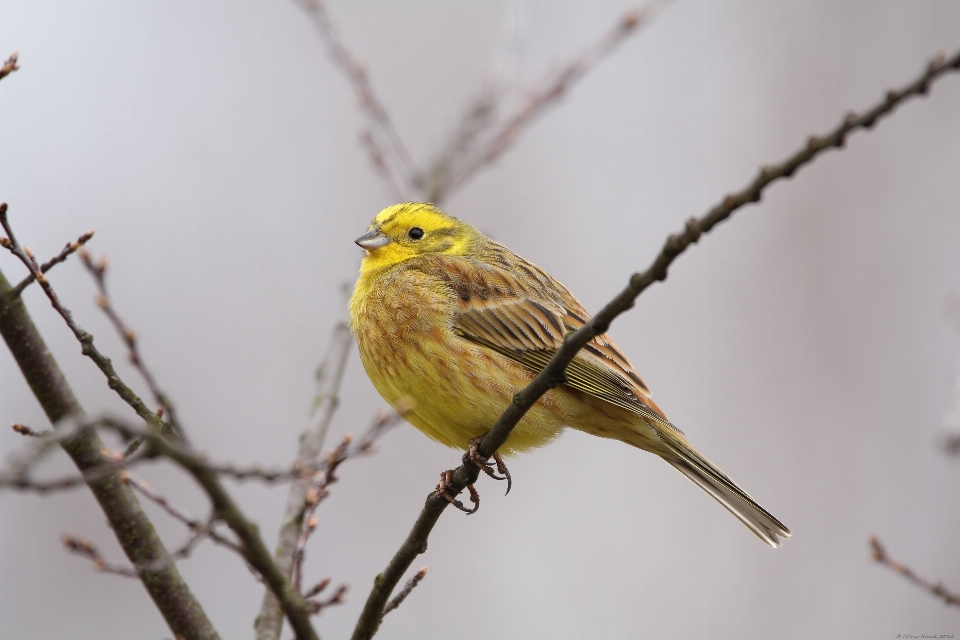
130 524
356 74
67 251
269 623
553 374
879 555
460 162
9 66
85 339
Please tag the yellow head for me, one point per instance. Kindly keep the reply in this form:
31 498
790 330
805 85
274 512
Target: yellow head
411 229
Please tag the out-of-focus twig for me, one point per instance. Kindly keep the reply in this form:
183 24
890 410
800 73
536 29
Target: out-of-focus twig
24 430
466 155
86 340
553 374
67 251
269 622
85 548
9 66
407 589
355 72
98 271
879 554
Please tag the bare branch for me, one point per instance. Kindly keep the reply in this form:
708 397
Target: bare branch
85 548
27 431
553 374
879 554
86 340
460 161
269 622
254 551
9 66
67 251
356 74
380 165
129 337
407 589
317 605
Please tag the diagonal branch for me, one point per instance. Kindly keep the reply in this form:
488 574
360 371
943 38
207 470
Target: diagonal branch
177 449
10 65
460 161
553 373
879 554
86 340
269 622
134 531
67 251
356 73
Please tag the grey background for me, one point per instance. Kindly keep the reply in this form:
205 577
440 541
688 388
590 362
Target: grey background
803 346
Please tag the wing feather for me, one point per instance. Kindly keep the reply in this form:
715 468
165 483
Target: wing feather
519 316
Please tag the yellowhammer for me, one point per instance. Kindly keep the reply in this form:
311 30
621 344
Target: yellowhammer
458 323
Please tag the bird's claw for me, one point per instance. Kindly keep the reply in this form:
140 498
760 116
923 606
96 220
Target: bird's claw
446 478
473 455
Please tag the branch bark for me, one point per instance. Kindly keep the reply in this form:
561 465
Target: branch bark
269 623
133 529
553 374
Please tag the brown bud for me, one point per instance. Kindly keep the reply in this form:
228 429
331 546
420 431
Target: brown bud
630 20
101 301
29 252
312 523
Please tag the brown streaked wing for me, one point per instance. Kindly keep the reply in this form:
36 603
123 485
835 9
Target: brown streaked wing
505 314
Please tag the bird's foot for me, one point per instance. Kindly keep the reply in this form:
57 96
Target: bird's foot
473 455
445 479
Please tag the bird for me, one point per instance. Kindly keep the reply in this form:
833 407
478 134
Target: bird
450 325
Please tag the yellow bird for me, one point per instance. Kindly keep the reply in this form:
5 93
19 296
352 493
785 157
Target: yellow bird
458 323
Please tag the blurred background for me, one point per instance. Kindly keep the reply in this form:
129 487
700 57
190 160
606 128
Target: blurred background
805 345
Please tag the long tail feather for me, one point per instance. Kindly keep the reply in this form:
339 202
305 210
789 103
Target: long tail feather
708 477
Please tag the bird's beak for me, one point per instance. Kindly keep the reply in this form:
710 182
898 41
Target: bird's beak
373 239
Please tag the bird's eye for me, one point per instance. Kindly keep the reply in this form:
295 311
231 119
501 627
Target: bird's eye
415 233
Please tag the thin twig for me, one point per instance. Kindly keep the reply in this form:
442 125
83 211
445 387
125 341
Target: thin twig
324 478
131 526
85 548
409 587
356 74
879 554
329 376
380 165
24 430
317 605
296 609
67 251
254 551
553 373
99 273
9 66
457 169
86 339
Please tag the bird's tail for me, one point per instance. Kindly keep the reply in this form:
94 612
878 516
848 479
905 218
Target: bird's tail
711 479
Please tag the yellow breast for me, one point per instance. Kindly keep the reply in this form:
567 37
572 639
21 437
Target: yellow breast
402 320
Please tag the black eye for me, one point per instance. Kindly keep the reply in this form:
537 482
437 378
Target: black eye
416 233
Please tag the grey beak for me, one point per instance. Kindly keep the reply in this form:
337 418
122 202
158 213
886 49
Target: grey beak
373 239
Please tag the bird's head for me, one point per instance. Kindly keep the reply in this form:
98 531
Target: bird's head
413 229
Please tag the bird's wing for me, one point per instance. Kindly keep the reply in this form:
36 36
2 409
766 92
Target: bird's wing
522 313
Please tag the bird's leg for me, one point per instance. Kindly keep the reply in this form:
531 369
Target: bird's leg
473 455
445 479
